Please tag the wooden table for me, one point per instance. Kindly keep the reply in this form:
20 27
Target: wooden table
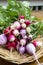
38 14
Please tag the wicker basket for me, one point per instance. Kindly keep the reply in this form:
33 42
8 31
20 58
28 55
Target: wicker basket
17 58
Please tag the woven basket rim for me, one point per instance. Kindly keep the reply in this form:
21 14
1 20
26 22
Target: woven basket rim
5 54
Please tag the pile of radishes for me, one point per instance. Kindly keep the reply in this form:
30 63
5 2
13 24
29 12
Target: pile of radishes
18 37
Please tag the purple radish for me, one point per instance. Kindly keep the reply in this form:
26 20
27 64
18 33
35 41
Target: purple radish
21 50
31 50
11 38
23 32
3 39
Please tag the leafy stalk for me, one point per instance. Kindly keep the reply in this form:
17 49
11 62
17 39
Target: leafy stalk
38 29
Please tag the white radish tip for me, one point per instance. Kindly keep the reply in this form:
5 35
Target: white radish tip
16 32
39 44
30 35
28 29
22 42
22 20
11 38
23 25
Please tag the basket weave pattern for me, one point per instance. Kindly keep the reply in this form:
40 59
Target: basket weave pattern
17 58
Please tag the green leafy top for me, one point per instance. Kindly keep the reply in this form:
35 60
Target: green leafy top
12 12
37 29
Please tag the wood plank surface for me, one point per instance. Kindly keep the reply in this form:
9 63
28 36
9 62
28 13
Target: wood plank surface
38 14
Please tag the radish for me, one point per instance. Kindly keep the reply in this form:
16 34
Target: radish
27 22
30 35
22 20
16 32
23 25
11 46
12 27
22 42
28 29
37 43
16 24
11 38
29 39
25 37
21 50
23 32
6 30
21 17
3 39
30 48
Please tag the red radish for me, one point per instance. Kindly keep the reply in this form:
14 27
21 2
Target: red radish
22 42
21 17
34 42
23 25
21 50
19 28
10 45
11 38
30 48
37 43
27 22
22 20
16 32
6 30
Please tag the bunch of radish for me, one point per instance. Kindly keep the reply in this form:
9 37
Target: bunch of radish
18 37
